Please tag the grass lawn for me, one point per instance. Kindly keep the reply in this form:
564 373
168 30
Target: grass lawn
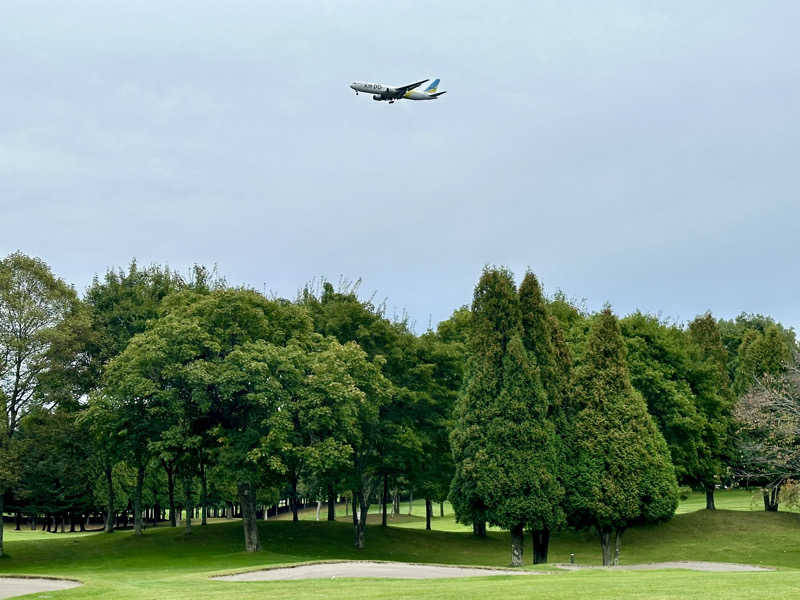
166 564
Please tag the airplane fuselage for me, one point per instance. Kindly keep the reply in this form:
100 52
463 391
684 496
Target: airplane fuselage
389 93
370 88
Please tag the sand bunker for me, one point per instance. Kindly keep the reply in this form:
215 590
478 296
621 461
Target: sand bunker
682 564
19 586
393 570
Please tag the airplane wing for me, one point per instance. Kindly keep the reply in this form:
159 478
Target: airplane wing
401 90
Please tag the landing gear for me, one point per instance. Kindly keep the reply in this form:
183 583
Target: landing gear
356 92
391 101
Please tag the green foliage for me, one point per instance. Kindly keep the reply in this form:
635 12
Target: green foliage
659 364
438 379
733 332
456 328
503 441
713 399
35 311
621 471
53 464
760 354
121 305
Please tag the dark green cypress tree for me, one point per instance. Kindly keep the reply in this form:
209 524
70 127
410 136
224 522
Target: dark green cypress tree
503 439
540 335
495 318
621 471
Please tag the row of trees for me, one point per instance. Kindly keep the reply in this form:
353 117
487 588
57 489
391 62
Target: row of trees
571 419
155 395
217 395
539 445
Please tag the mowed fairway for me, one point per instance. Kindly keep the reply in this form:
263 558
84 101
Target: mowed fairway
167 564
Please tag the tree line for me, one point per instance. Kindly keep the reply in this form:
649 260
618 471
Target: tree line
156 395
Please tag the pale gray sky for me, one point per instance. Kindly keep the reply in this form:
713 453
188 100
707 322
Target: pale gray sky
640 153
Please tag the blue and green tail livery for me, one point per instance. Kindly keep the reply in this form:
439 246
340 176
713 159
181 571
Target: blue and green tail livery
432 87
393 93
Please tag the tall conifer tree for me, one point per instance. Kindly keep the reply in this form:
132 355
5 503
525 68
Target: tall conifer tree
540 335
622 474
503 440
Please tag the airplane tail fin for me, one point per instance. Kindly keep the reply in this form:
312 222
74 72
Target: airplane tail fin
432 87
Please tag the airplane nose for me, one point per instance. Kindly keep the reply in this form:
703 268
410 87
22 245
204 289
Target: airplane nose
352 86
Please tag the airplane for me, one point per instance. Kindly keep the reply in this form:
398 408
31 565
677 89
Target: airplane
392 93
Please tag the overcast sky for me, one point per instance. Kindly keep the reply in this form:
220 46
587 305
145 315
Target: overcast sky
641 153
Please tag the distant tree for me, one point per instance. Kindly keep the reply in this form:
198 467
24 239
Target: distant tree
574 323
121 305
713 401
768 420
760 354
438 377
344 316
733 331
657 355
621 472
48 446
103 424
34 307
455 329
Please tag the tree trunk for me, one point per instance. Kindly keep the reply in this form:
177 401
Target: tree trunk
517 545
385 499
1 523
710 497
169 467
319 507
204 496
138 524
187 492
541 542
293 499
17 518
396 502
479 528
618 545
771 495
252 542
355 519
109 526
363 507
156 514
605 545
428 513
441 509
410 502
331 503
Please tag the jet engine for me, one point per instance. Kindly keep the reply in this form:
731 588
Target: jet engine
377 97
